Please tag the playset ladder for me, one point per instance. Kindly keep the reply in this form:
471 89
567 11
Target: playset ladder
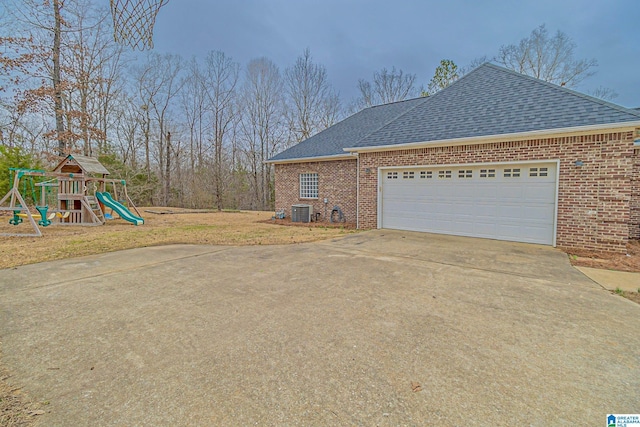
94 207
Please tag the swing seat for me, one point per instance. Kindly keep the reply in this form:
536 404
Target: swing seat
44 221
16 218
38 216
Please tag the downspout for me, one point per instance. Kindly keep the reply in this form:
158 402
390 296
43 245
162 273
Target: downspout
357 191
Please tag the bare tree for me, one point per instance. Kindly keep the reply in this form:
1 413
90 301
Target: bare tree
475 63
549 58
158 83
44 24
61 64
313 104
91 62
604 93
221 76
127 128
194 103
387 86
262 124
57 84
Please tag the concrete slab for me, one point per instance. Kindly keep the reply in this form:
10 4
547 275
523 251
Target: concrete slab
613 280
331 333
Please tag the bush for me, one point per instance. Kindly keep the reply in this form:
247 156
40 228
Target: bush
14 157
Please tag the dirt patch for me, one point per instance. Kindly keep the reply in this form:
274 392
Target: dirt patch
16 409
335 225
611 261
608 261
170 211
633 296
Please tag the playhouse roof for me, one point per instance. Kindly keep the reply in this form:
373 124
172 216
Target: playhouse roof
89 165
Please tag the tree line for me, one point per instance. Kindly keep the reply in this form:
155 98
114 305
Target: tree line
184 132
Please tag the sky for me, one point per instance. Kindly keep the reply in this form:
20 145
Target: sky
355 38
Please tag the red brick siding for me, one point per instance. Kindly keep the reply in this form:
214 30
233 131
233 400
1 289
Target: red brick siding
634 223
594 201
337 182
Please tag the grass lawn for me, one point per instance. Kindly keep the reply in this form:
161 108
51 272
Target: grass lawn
206 228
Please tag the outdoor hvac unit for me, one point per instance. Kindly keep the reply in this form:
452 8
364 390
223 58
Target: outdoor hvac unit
301 213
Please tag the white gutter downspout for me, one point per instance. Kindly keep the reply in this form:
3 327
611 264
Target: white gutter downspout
358 193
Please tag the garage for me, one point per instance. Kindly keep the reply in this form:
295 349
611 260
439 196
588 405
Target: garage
515 202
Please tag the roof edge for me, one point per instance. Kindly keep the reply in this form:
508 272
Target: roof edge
488 139
347 156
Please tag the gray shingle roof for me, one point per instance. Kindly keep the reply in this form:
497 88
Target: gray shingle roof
492 100
488 101
348 132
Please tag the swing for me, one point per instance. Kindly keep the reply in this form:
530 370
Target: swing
44 221
16 218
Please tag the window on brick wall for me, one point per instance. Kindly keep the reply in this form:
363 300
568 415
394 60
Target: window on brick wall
308 185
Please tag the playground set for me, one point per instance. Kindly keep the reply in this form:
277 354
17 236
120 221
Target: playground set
74 193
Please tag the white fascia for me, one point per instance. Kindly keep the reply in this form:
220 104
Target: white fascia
314 159
488 139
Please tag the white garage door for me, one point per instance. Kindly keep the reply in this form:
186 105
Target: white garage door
504 202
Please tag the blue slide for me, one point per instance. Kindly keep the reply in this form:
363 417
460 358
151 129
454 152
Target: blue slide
119 208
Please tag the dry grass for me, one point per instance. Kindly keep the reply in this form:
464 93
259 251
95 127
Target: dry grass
16 410
209 228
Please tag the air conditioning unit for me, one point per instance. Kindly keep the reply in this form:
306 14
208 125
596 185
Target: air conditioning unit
301 213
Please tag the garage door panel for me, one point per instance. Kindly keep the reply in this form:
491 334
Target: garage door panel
464 191
504 207
486 229
484 211
464 227
511 191
537 191
505 231
486 191
538 211
510 212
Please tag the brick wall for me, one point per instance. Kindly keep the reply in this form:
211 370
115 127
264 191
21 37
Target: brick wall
634 223
594 201
336 181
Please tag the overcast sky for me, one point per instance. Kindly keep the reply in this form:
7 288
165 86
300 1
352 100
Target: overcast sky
354 38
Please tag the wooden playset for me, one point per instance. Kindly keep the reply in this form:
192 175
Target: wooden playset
74 193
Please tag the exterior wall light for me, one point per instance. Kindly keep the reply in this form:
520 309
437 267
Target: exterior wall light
579 163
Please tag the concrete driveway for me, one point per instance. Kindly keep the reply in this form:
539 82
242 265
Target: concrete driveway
379 328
